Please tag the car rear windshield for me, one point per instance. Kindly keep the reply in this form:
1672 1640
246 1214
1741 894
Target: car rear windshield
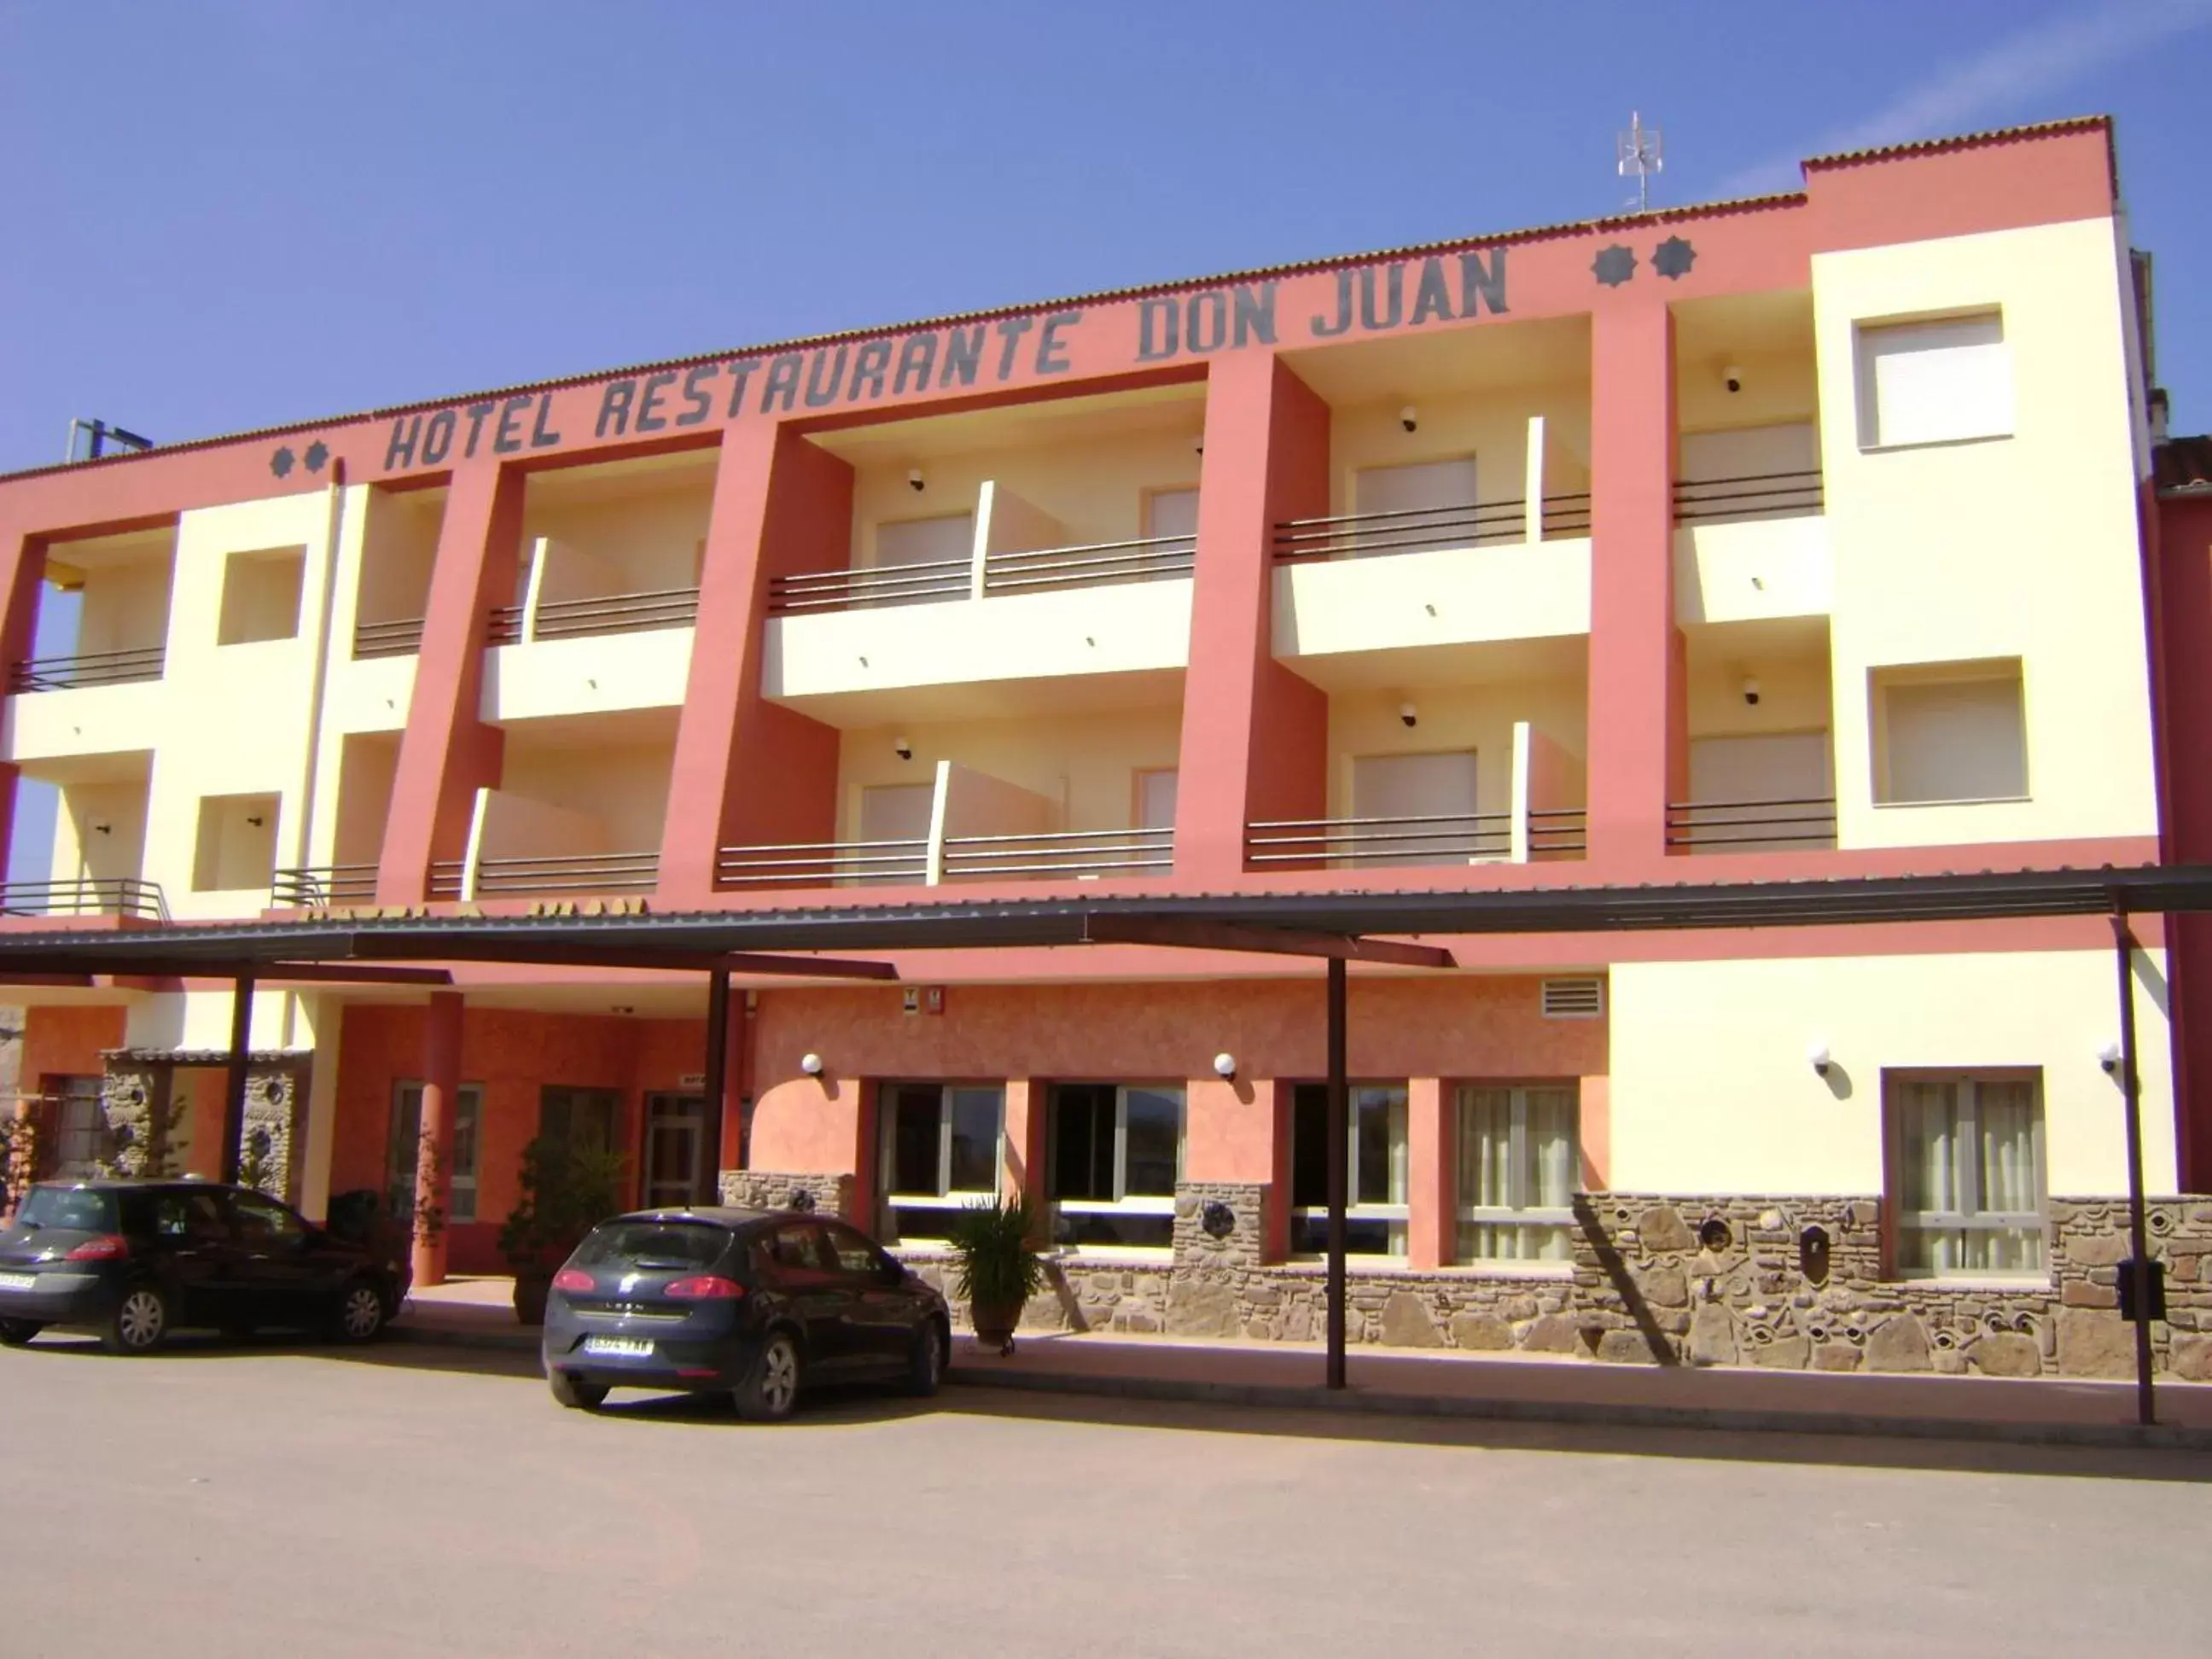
649 1244
79 1209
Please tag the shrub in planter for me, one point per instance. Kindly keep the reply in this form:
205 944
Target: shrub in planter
995 1266
566 1191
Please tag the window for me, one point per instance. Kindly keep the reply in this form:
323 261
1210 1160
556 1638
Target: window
82 1138
1116 1155
586 1118
1156 799
1949 732
236 847
1375 1213
1173 513
1429 505
264 1223
1935 382
1419 809
856 1258
895 812
198 1216
940 1153
941 542
1518 1163
1776 789
406 1141
261 596
1966 1171
797 1253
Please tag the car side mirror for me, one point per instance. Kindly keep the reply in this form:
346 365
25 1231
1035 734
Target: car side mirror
893 1272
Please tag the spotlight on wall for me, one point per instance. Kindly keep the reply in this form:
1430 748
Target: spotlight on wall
1224 1065
1751 690
103 828
1409 715
902 747
914 477
1410 418
1819 1059
2109 1058
810 1064
1732 377
256 819
1198 445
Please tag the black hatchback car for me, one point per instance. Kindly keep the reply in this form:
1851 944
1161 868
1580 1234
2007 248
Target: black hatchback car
752 1303
136 1259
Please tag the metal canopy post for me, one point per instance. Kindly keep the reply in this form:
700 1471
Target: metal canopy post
233 1090
717 1088
1339 1139
2123 942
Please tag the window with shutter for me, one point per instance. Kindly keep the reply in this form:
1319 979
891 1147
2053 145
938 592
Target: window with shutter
1934 382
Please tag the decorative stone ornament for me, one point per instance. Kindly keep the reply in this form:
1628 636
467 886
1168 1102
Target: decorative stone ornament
282 461
1613 265
1218 1219
1673 259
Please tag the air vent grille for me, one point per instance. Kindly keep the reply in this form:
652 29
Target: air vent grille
1574 999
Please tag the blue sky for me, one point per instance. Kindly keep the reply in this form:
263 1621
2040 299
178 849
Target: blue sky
238 212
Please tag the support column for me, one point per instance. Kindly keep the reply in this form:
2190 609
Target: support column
1638 745
434 1146
1340 1159
748 771
234 1081
1432 1219
1024 1172
2123 941
707 1188
448 752
22 572
1255 735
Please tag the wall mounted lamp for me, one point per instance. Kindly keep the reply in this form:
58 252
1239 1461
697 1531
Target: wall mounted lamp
1409 715
902 747
103 828
256 819
810 1064
1224 1065
1410 418
914 479
1819 1059
2109 1058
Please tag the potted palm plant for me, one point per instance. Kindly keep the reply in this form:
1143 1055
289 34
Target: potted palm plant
566 1191
995 1267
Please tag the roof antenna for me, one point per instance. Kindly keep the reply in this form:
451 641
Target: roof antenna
1640 151
102 435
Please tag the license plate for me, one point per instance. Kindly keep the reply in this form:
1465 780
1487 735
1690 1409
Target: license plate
627 1347
19 1282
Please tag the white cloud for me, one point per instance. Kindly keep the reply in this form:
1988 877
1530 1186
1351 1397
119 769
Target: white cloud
2032 64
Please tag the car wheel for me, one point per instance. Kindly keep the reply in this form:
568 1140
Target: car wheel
576 1395
769 1392
925 1365
359 1315
14 1332
139 1324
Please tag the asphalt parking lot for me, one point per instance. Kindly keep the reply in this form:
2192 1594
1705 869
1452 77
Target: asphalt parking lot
416 1501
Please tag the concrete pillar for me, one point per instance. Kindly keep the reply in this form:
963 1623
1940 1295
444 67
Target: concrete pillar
1255 735
433 1173
448 752
1025 1176
1432 1225
22 570
1638 745
748 771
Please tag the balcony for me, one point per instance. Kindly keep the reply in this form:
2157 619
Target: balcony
399 637
321 886
1752 826
595 653
86 896
565 875
89 669
578 812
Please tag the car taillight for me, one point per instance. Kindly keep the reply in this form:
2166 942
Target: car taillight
108 1247
708 1287
575 1279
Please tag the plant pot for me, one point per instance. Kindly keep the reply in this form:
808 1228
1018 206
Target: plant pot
531 1287
994 1323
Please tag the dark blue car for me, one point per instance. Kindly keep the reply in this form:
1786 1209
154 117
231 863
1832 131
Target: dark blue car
754 1304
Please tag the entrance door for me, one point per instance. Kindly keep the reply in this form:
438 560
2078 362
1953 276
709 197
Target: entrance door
675 1149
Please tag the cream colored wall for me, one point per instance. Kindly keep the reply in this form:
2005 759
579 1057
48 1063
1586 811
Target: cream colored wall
2022 546
1751 570
1480 718
1777 386
79 849
1094 488
124 607
1793 689
1084 763
367 764
600 673
621 786
640 541
400 545
1491 426
1712 1092
1455 596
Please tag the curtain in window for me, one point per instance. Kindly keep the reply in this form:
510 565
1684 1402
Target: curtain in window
1966 1156
2005 1117
1517 1152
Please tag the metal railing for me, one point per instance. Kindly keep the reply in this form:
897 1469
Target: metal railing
91 668
1092 565
822 864
1068 853
890 584
1426 529
1807 822
1444 837
612 613
86 896
401 637
319 886
447 877
1755 496
567 873
1557 832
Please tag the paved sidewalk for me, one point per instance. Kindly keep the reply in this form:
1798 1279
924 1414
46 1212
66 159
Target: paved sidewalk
478 1312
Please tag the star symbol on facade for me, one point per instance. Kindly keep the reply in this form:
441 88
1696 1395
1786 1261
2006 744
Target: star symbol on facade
319 453
1615 266
1673 258
281 462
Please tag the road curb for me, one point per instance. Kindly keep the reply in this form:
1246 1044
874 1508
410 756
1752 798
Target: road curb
518 1340
1724 1419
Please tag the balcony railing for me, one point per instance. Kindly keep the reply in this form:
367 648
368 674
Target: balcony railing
319 886
92 668
890 584
614 613
1437 838
1755 496
86 896
447 878
822 864
402 637
1557 832
1752 824
577 873
1065 854
1427 529
1093 565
